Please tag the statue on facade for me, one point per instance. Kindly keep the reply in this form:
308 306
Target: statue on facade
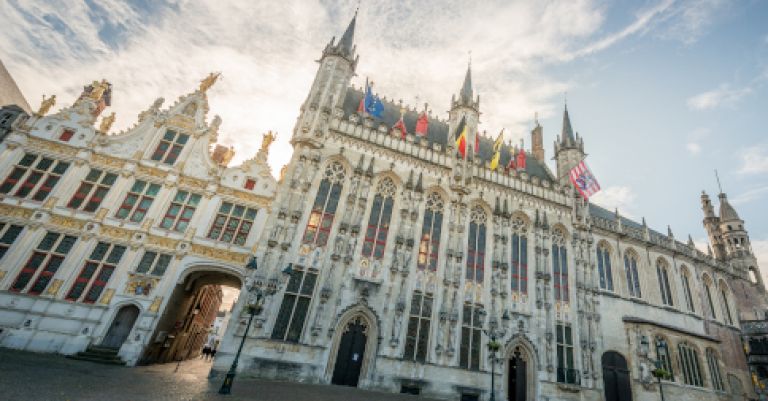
46 105
106 123
98 89
267 140
208 81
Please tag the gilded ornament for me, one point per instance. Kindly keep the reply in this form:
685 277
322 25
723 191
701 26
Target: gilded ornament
151 171
220 254
2 274
182 121
106 123
116 232
50 203
163 242
67 222
54 287
139 285
107 161
267 140
192 182
107 297
51 146
155 304
208 81
98 89
46 105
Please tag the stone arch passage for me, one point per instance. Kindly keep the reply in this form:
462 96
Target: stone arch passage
354 348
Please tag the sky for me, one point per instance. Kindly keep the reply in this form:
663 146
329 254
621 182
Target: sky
662 91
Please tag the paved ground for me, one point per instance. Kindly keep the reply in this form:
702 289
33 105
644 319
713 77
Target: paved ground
26 376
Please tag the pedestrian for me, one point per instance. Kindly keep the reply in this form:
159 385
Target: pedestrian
213 353
206 352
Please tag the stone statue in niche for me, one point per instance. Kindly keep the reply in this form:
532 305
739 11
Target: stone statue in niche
316 256
338 245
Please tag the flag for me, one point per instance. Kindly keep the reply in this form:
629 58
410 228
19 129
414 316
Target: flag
521 159
584 181
370 104
497 150
511 165
400 125
477 142
461 140
422 124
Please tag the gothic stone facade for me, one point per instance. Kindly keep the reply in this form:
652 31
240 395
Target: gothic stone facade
386 260
94 224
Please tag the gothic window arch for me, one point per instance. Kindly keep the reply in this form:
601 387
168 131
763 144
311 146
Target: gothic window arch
689 365
429 244
476 244
686 278
519 255
708 284
724 301
662 273
714 370
560 265
326 201
633 278
664 355
604 267
378 222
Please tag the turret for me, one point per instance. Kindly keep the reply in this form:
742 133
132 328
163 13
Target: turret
712 225
334 75
464 116
735 238
569 149
537 141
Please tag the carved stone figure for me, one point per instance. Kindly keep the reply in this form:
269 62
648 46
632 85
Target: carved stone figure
267 140
46 105
208 81
106 123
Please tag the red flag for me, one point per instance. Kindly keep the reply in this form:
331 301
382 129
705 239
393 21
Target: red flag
521 159
360 107
511 165
461 141
583 180
422 124
401 126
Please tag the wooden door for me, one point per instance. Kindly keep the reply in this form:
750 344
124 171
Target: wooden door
349 359
121 327
616 377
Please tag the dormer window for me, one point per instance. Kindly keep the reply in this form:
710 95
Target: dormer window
66 135
169 148
250 183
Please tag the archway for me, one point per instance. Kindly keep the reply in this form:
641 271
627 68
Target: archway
121 327
354 348
195 315
520 371
616 377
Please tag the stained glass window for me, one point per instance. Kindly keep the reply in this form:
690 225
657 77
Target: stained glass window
44 262
324 209
170 146
34 174
476 245
664 288
604 268
633 280
96 272
232 223
137 201
295 307
378 223
92 190
430 232
471 327
417 336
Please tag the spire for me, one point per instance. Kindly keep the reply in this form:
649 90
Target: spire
347 40
727 212
466 88
567 137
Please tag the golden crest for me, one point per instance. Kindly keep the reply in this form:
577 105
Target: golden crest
107 297
54 287
155 304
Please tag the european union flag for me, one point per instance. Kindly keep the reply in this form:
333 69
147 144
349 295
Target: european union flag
373 105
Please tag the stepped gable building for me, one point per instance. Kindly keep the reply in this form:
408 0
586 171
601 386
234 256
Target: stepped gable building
108 241
390 262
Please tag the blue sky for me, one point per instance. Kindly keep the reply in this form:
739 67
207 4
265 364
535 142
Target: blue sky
663 91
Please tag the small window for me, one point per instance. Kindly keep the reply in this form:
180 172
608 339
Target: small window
169 147
92 190
44 262
137 201
180 211
96 272
154 263
66 135
232 223
34 174
250 183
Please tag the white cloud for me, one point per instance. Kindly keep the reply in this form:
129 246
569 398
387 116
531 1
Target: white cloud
693 148
750 195
694 140
725 95
613 197
754 160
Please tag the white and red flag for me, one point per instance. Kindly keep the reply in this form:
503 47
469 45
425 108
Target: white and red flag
583 180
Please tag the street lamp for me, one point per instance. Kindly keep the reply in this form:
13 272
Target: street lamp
493 346
254 305
659 372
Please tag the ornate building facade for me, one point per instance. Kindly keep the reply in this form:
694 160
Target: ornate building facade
110 241
391 262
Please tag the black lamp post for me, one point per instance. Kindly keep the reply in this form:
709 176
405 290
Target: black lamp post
254 308
493 346
659 372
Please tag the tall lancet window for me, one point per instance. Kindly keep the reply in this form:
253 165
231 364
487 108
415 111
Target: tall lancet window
664 287
687 289
560 266
476 245
633 279
324 209
519 257
378 222
604 267
430 232
708 290
726 306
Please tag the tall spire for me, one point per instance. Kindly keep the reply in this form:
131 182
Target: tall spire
567 137
466 88
347 40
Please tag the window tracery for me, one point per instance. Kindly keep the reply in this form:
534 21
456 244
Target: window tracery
560 265
476 245
378 222
633 279
429 243
324 209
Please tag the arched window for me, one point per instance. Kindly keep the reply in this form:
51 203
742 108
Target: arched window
708 290
663 356
714 370
378 222
689 365
417 336
687 289
753 274
476 245
519 257
664 288
604 267
324 208
560 265
430 232
724 300
471 326
633 279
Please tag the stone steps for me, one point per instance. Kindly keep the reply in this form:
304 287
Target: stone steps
107 356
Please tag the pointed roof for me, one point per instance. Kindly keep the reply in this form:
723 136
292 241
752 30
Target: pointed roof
348 39
567 136
9 91
727 212
466 88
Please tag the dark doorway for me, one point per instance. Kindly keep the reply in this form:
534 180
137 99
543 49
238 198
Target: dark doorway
121 327
517 378
616 377
349 359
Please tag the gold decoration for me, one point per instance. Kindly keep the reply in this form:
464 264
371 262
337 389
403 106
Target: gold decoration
67 222
181 121
2 274
51 146
116 232
208 81
106 123
54 287
162 242
262 201
267 140
46 105
140 285
151 171
220 254
50 203
15 211
155 304
195 183
107 297
98 89
107 161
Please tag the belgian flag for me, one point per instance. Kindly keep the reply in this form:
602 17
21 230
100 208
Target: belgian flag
461 139
497 150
